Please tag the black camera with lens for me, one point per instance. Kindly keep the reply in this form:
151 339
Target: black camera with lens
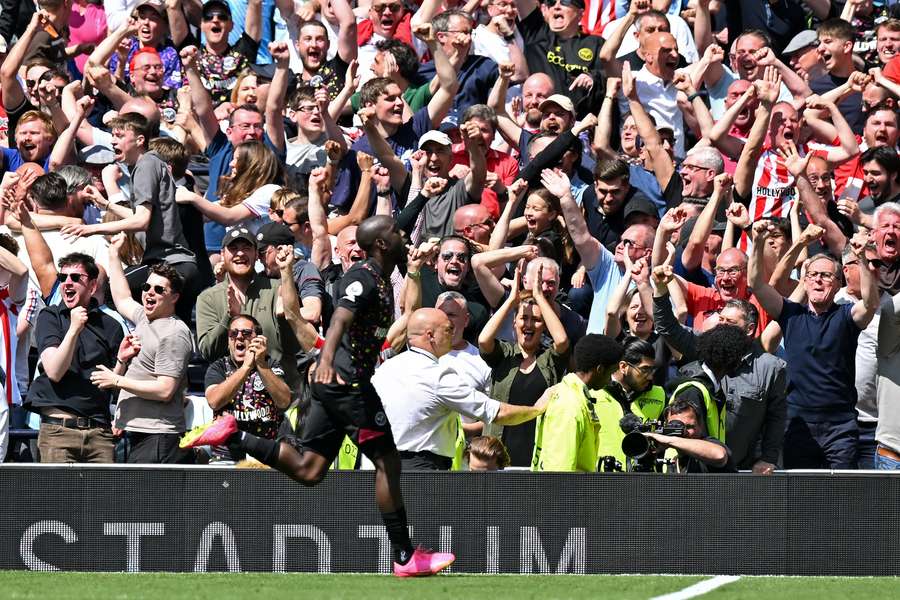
642 450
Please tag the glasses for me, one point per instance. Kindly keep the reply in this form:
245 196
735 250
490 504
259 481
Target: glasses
691 167
148 68
824 276
644 369
156 288
213 15
309 108
30 83
489 223
460 256
75 277
248 126
552 3
633 244
242 333
393 7
733 271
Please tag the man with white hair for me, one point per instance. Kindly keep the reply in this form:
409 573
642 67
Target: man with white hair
887 411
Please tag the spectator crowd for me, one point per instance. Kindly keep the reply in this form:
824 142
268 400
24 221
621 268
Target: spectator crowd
549 223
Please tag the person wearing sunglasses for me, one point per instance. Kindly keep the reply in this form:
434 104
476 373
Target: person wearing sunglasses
248 383
151 384
556 45
152 21
73 338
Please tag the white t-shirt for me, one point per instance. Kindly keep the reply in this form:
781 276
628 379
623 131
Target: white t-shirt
680 30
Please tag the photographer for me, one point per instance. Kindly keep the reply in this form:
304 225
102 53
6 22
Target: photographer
697 451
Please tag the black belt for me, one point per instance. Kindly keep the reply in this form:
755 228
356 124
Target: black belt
76 422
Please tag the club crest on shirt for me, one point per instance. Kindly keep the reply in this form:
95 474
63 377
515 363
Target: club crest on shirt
586 54
353 290
380 418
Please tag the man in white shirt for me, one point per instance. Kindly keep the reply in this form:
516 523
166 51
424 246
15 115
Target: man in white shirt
422 396
655 87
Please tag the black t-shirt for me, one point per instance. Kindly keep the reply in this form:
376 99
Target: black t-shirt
98 344
693 465
365 291
563 60
519 439
477 305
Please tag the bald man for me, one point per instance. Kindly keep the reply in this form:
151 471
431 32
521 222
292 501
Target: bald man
423 397
474 222
654 84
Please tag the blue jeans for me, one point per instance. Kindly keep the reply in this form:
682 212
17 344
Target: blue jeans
884 463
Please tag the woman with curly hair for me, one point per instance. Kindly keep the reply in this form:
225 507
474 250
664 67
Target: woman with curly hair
245 194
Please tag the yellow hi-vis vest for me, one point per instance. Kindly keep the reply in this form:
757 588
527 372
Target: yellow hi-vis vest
648 406
715 421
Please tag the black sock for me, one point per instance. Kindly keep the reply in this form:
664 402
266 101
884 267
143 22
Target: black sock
263 450
398 533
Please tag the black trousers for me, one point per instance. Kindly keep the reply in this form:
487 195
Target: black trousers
156 448
424 461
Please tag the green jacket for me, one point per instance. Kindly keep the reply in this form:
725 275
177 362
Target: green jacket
566 435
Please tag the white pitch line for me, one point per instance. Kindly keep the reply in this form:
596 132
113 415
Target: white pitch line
698 589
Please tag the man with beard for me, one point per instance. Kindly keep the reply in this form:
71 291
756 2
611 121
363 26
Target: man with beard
556 45
881 174
311 44
630 392
544 111
219 62
567 437
820 341
35 137
753 383
244 291
310 287
152 385
882 128
451 273
344 401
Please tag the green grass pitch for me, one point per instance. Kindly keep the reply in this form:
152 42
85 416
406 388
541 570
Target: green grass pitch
214 586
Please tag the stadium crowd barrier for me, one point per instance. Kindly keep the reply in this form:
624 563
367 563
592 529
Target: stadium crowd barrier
115 518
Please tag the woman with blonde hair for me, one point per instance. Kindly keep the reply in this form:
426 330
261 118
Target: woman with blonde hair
245 194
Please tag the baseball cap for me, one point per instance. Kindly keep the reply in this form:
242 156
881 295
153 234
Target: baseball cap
238 233
211 5
435 136
800 41
563 102
639 203
157 5
274 234
97 155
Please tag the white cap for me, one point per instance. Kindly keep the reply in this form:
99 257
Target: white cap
563 101
435 136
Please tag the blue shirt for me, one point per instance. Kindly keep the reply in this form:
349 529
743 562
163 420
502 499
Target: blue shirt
12 160
476 78
645 181
220 151
605 276
820 351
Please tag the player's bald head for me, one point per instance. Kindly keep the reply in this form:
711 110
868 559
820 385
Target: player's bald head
425 319
373 228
